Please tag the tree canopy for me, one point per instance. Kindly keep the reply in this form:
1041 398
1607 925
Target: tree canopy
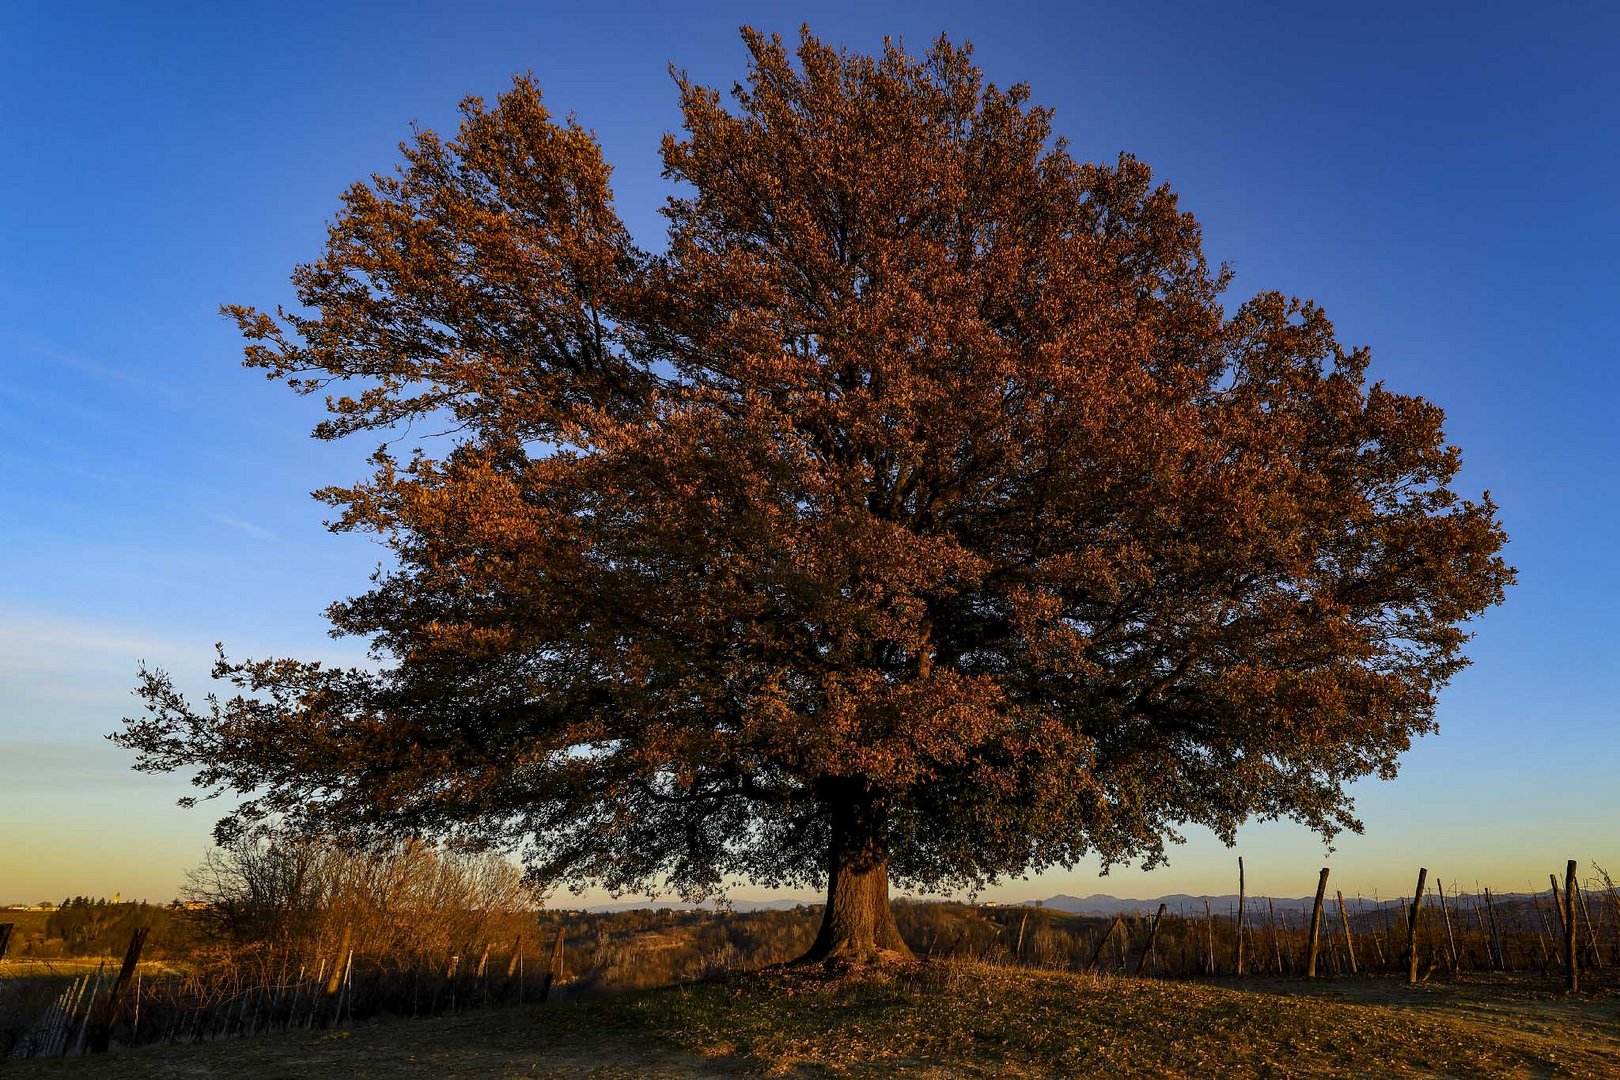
921 510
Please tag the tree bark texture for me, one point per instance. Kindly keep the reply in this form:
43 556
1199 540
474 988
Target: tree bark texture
857 925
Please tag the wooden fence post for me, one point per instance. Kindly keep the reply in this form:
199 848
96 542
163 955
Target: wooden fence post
1572 962
1096 956
1276 943
111 1010
1241 897
334 981
1316 925
1496 934
1543 932
554 968
5 937
1445 917
1591 937
1412 928
89 1008
1349 942
1209 927
347 994
1153 937
1479 924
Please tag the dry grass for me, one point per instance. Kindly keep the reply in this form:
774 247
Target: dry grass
959 1020
953 1020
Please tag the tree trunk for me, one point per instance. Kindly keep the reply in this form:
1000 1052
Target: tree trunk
857 925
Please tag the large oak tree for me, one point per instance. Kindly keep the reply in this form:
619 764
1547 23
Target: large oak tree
919 514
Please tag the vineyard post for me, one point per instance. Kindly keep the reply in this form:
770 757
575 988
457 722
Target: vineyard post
1496 934
1543 931
1316 925
1572 970
1096 956
554 968
334 981
1591 937
108 1014
1153 938
1478 909
1445 917
347 996
1241 898
1349 942
1412 928
89 1009
73 1015
1276 943
1389 928
1209 925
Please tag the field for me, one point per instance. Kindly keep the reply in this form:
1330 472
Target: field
948 1019
1014 992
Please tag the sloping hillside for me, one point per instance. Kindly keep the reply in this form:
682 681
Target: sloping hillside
949 1020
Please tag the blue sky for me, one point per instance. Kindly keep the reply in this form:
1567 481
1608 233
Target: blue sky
1442 178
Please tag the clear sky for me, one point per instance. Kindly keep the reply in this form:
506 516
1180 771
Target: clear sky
1442 178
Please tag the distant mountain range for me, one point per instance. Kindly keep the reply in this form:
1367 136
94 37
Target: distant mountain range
1103 904
1095 904
1184 903
681 905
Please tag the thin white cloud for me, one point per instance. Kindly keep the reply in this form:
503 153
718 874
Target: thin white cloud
73 764
38 643
258 532
52 650
164 391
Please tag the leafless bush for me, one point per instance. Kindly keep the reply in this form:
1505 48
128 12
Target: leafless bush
397 904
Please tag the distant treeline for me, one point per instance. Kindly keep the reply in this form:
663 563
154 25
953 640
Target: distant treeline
96 926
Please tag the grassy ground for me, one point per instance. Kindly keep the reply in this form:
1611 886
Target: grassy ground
950 1020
